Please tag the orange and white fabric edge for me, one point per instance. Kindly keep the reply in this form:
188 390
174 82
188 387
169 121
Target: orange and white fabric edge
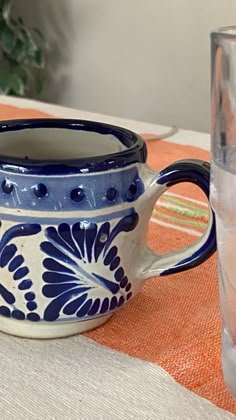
80 379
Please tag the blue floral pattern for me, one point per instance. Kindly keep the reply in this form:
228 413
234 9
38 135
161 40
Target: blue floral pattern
13 261
74 253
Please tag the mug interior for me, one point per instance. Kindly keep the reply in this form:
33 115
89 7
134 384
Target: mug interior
58 143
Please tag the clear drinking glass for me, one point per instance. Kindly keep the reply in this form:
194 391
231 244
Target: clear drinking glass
223 187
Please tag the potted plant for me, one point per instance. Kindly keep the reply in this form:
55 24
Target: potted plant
21 54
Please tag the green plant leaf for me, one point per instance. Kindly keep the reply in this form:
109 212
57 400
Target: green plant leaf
6 9
38 60
21 73
29 43
13 80
7 38
21 54
16 84
18 52
4 82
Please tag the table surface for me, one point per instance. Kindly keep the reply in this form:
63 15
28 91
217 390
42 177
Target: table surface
77 378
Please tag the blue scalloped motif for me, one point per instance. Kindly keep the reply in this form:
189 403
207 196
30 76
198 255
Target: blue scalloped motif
73 266
12 261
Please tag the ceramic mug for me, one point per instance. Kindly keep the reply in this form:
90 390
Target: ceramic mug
75 202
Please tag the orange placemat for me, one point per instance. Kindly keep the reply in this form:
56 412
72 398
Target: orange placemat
175 320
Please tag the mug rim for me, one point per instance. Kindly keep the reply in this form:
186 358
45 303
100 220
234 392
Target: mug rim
135 152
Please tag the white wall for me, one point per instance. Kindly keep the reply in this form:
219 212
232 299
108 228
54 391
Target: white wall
148 60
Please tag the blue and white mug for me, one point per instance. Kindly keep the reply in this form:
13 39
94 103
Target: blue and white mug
76 198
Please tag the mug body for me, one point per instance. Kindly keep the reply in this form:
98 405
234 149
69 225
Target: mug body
74 216
76 198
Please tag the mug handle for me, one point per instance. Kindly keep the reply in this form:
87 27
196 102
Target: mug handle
197 172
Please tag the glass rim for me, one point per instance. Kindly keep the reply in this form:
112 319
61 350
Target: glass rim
225 32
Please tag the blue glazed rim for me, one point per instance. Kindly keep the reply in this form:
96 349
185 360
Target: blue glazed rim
135 151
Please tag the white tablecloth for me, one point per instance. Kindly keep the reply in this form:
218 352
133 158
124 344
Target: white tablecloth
78 379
